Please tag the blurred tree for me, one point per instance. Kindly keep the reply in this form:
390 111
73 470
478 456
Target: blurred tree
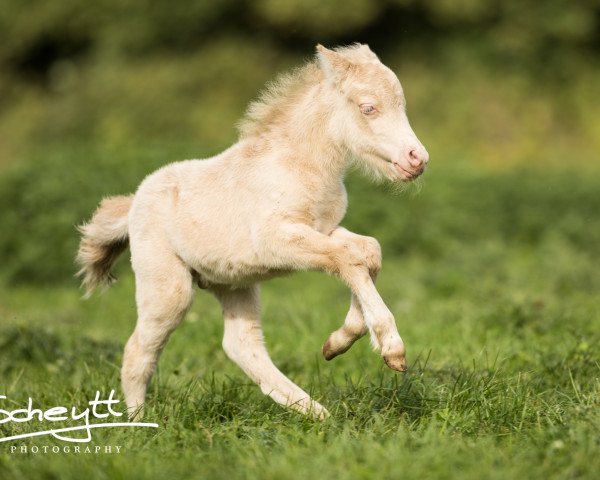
315 17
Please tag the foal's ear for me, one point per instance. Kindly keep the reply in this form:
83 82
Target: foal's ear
334 64
368 51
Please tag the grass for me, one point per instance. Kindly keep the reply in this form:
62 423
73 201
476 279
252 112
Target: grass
493 279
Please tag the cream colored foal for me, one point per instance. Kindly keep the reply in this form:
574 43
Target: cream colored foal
269 205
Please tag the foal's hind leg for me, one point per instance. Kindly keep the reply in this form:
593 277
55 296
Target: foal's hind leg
163 295
354 326
243 343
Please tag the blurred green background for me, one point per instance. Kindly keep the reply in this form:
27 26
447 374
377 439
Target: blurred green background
93 96
490 262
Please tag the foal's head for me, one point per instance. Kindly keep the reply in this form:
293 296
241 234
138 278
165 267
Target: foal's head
369 113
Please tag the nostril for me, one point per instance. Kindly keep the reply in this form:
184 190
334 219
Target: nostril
414 158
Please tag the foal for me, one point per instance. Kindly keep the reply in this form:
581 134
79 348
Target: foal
269 205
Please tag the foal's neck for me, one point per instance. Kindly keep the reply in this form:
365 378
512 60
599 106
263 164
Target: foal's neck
305 132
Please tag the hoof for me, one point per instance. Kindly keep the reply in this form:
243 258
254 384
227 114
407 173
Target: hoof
135 414
328 352
321 415
396 362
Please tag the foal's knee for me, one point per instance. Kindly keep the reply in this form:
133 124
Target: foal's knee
373 257
367 254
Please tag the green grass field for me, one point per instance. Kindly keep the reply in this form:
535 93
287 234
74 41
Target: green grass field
493 278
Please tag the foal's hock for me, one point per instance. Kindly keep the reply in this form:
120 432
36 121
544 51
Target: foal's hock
269 205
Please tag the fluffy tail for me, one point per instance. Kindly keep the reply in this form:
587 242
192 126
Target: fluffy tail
103 239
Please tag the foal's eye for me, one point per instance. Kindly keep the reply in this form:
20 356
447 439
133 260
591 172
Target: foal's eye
367 109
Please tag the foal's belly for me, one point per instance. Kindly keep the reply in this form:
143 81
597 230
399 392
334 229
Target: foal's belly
208 278
227 259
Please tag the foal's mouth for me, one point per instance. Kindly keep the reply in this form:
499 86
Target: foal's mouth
404 174
401 173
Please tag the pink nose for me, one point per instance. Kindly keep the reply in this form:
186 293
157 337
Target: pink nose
417 156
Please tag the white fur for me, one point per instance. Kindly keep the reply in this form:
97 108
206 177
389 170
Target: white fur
269 205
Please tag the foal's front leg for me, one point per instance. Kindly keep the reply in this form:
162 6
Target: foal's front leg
299 246
243 343
354 326
343 338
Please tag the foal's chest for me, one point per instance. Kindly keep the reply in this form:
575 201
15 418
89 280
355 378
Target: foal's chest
329 210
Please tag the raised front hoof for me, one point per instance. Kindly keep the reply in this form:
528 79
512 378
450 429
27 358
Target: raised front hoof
396 362
328 352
